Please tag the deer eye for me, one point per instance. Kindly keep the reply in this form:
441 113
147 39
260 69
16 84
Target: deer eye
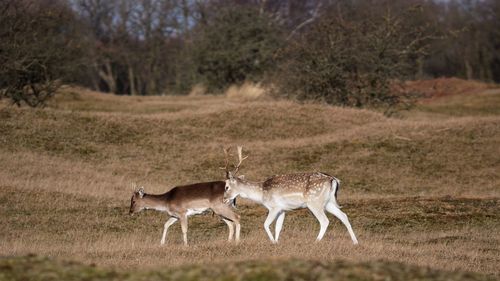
227 187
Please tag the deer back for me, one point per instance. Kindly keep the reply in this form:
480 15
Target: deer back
296 182
203 194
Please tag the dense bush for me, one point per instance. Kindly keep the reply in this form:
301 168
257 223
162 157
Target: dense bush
350 63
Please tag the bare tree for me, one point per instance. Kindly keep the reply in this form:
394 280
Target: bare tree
99 16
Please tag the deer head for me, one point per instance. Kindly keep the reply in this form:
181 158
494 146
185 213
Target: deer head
137 202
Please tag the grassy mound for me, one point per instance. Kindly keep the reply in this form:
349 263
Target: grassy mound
443 87
399 156
44 269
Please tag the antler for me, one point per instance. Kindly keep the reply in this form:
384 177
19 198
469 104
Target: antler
240 158
226 161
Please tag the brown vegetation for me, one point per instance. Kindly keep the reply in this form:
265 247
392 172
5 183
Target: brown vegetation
421 189
453 96
444 87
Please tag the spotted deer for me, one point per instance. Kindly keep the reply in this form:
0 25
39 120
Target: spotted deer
281 193
184 201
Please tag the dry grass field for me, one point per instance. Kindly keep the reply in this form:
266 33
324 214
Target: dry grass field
422 190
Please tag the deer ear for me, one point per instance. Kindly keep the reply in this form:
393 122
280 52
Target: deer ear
230 175
241 177
141 192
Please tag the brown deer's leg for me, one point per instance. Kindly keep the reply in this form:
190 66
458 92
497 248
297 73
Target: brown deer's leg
169 222
184 226
230 225
227 213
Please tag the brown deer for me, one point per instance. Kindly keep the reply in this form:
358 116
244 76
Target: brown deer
281 193
184 201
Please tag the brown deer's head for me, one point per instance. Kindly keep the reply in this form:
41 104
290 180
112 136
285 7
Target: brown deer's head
137 202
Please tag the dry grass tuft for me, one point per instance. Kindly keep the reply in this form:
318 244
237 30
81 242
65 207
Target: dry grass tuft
198 90
248 90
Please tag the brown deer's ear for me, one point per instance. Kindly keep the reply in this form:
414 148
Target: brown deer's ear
141 192
241 177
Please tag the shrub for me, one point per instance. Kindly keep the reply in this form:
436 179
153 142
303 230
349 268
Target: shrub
351 62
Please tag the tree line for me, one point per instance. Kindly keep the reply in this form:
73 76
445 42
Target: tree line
345 52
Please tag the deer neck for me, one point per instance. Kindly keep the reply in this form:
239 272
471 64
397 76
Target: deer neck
155 202
251 190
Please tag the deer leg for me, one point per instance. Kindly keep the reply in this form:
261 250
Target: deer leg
319 213
238 229
271 216
169 222
184 227
279 225
227 213
334 210
231 229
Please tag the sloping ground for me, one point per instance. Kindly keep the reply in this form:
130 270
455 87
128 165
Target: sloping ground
420 190
398 156
38 268
480 104
442 87
454 97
